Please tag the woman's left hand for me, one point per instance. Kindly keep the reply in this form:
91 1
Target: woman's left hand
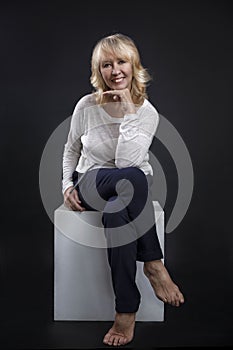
124 97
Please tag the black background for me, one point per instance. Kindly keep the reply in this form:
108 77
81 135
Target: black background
45 53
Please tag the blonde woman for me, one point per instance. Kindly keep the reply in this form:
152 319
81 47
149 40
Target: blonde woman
106 168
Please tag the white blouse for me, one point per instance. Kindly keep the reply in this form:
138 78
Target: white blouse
98 140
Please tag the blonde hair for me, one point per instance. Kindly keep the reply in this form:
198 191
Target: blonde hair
121 46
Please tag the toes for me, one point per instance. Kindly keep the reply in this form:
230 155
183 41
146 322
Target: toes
171 300
179 296
111 340
106 338
177 299
116 340
122 341
181 299
168 299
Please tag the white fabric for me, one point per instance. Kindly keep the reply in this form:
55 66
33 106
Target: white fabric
97 140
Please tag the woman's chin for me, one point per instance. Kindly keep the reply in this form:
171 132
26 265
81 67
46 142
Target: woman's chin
119 87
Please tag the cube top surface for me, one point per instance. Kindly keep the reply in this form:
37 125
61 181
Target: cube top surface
86 227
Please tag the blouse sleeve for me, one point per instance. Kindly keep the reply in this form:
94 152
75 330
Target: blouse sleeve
135 137
72 148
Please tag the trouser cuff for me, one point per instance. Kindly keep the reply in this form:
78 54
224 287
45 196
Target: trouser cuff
127 307
149 256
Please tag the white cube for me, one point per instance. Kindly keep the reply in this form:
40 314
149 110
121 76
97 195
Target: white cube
82 277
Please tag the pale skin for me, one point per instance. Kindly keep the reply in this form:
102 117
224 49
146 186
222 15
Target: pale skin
117 75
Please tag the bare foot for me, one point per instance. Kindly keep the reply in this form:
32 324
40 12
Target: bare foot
122 330
164 288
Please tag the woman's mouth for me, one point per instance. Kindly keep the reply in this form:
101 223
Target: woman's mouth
117 80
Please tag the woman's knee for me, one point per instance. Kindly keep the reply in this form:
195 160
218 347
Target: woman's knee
135 175
134 183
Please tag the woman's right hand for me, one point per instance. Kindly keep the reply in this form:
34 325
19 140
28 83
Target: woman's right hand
71 200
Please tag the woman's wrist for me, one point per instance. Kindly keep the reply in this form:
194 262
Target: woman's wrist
128 108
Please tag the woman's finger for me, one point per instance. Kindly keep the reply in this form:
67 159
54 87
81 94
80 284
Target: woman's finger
75 202
76 206
114 94
72 201
119 95
76 197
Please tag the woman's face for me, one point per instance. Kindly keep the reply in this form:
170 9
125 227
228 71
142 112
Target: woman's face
116 72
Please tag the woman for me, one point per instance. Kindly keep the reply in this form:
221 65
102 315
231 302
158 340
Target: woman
106 168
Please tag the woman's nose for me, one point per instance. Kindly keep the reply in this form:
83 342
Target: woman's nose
115 70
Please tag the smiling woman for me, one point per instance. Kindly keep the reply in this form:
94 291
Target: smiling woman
116 64
106 168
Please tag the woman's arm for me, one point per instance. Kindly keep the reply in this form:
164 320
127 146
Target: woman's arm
136 135
72 148
136 131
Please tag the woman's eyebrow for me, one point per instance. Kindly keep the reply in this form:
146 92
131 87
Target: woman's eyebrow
111 59
106 61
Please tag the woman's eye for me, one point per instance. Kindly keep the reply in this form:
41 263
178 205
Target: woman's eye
106 65
121 62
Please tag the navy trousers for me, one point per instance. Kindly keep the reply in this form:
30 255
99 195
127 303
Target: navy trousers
124 198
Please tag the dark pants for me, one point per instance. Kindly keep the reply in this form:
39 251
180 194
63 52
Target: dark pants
124 197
